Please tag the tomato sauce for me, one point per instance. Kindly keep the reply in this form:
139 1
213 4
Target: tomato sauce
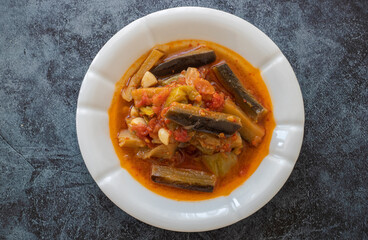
250 157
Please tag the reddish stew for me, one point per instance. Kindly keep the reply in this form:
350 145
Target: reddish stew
144 103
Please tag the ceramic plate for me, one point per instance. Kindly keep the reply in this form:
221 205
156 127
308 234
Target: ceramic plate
115 58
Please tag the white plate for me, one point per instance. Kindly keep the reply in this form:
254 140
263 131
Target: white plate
189 23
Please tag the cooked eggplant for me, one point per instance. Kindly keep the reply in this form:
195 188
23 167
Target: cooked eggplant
250 131
196 58
135 81
243 98
203 120
183 178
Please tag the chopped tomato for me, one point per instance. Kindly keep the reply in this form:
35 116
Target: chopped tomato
154 126
203 86
140 130
145 100
217 102
181 135
156 110
152 123
160 98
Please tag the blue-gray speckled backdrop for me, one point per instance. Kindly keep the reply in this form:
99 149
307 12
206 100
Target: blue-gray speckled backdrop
46 191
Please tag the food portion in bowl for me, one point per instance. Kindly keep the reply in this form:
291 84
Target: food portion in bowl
191 120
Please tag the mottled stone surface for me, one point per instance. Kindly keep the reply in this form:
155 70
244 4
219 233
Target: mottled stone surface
46 191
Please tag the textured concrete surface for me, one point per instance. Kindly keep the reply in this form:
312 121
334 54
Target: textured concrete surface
46 191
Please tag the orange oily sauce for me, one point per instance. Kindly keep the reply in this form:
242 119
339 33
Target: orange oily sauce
248 160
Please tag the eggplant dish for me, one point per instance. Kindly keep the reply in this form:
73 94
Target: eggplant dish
191 120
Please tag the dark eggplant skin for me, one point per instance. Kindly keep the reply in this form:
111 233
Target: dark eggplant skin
203 120
196 58
167 182
183 178
243 98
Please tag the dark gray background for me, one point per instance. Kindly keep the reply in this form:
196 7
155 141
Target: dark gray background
45 189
